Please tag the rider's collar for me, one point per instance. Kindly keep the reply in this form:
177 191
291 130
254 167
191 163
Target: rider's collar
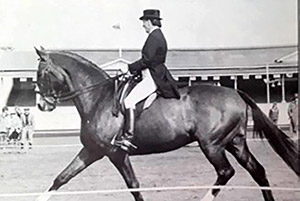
153 29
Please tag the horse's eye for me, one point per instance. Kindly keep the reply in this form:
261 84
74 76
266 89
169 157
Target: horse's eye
41 59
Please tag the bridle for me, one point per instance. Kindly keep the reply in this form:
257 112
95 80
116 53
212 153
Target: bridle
52 97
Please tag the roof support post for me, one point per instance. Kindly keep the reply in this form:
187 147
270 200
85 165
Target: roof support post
268 83
235 82
191 78
283 89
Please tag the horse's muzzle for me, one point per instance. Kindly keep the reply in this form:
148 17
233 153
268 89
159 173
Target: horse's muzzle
46 105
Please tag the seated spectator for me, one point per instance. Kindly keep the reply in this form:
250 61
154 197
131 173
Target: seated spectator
15 127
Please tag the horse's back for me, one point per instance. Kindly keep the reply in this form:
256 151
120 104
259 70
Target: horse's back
213 95
171 123
215 105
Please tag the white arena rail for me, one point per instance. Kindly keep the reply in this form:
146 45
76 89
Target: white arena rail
175 188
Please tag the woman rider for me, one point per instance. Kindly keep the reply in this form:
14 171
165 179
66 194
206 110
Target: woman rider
155 75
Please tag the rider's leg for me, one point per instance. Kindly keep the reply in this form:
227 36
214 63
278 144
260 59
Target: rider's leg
129 129
141 91
30 136
129 121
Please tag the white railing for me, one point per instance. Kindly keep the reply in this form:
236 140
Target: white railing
67 117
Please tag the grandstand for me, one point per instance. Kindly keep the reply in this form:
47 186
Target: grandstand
267 74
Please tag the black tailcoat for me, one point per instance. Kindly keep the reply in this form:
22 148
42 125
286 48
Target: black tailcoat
154 55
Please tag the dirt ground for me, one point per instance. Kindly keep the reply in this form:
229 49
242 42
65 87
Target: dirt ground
35 170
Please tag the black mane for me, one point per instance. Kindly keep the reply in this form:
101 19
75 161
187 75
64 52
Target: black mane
80 59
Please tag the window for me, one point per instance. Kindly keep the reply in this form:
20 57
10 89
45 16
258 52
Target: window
22 93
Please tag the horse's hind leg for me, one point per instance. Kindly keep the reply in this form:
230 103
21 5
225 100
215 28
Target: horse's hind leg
123 164
239 149
79 163
216 156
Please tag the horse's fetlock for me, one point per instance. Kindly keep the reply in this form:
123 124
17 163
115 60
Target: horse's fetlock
228 173
59 181
135 184
231 172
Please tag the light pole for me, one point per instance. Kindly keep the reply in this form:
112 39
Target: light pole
117 27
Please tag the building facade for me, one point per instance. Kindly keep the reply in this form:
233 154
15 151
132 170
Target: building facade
267 74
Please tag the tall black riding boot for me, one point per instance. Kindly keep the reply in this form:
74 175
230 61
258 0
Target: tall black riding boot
129 130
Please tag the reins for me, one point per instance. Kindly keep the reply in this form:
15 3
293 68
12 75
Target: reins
72 94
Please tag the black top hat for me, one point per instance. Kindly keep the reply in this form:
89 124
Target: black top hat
151 14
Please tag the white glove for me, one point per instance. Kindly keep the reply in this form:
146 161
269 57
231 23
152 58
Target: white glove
124 69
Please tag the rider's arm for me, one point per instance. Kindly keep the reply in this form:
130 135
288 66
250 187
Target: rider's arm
148 55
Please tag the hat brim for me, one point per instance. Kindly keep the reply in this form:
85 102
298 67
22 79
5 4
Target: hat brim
149 17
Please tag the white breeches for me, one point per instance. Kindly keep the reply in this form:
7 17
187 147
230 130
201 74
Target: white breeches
143 89
27 134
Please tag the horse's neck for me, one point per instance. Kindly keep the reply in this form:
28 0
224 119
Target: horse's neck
87 102
81 74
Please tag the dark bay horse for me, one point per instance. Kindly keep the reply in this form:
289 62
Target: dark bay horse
215 117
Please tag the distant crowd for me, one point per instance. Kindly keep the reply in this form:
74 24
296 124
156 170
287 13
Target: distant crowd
16 126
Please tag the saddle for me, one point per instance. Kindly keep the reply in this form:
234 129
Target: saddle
122 88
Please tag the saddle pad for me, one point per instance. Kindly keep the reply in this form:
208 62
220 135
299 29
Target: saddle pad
150 99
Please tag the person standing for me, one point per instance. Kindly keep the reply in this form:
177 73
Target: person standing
293 113
154 73
18 112
274 113
28 126
4 125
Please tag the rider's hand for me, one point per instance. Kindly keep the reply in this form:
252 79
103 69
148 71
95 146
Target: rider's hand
124 69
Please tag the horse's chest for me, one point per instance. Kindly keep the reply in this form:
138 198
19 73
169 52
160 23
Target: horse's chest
101 128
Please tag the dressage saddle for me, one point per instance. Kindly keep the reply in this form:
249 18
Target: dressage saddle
122 88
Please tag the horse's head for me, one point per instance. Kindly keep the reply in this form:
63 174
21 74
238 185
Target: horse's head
51 81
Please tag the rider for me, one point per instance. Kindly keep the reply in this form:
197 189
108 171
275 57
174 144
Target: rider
155 75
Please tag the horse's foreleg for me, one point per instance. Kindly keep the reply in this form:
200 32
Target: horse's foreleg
79 163
123 164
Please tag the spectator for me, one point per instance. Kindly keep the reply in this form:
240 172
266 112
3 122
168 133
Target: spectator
274 113
293 114
4 125
18 111
28 126
15 127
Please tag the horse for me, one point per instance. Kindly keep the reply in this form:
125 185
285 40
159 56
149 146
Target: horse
215 117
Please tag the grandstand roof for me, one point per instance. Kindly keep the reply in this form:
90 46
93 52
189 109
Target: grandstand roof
177 58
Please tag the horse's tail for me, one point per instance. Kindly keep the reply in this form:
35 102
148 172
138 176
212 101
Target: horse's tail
282 144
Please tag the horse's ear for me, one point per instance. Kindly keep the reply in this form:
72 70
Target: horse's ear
42 48
42 54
